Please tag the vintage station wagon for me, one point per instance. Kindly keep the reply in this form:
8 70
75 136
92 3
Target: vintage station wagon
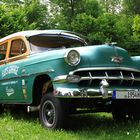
56 73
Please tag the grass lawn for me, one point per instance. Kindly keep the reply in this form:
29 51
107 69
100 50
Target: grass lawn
19 126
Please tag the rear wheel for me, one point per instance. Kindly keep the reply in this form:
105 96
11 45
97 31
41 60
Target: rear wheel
51 112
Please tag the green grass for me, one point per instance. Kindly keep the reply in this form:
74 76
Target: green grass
19 126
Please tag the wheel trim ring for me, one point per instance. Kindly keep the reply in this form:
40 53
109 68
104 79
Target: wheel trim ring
44 113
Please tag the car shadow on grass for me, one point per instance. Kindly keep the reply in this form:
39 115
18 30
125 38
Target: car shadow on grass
88 121
96 122
102 126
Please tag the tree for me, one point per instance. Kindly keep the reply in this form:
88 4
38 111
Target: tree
136 28
11 2
104 29
131 7
67 8
12 20
67 12
83 23
18 17
91 7
36 13
111 6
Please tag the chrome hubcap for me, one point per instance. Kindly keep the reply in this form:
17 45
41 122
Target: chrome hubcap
49 113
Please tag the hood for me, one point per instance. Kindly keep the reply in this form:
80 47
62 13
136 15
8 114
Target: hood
105 56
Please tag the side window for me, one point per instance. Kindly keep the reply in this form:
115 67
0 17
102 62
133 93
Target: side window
18 47
3 49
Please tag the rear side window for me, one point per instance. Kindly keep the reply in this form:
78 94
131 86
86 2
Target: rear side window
18 47
3 49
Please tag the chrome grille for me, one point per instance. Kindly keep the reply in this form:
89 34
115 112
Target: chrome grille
115 76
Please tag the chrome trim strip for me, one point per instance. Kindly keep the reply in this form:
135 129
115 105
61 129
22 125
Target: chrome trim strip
109 78
104 68
27 75
60 79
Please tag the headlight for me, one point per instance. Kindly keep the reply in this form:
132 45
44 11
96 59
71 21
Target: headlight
72 57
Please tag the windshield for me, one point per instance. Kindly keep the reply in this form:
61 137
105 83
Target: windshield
47 42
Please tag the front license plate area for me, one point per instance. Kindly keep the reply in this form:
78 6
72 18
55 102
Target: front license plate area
126 95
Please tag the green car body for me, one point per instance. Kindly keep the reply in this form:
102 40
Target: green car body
55 71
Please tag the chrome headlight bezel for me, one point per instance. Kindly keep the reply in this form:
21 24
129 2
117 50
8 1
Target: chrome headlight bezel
72 57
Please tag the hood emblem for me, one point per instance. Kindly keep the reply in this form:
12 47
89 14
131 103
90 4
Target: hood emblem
117 59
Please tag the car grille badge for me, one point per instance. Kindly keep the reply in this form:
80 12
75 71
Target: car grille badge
117 59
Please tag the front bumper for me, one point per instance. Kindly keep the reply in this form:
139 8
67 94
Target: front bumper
82 93
97 93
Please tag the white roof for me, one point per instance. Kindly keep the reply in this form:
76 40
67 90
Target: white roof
36 32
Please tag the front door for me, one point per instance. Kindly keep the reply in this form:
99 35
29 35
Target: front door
11 73
11 83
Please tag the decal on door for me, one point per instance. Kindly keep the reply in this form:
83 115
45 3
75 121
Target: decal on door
9 91
9 83
10 70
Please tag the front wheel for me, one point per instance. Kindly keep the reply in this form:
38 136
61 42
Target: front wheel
51 112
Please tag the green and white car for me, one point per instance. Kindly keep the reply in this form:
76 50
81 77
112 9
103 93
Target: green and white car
56 73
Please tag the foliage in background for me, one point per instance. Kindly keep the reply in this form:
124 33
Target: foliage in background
131 7
17 16
99 20
136 27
